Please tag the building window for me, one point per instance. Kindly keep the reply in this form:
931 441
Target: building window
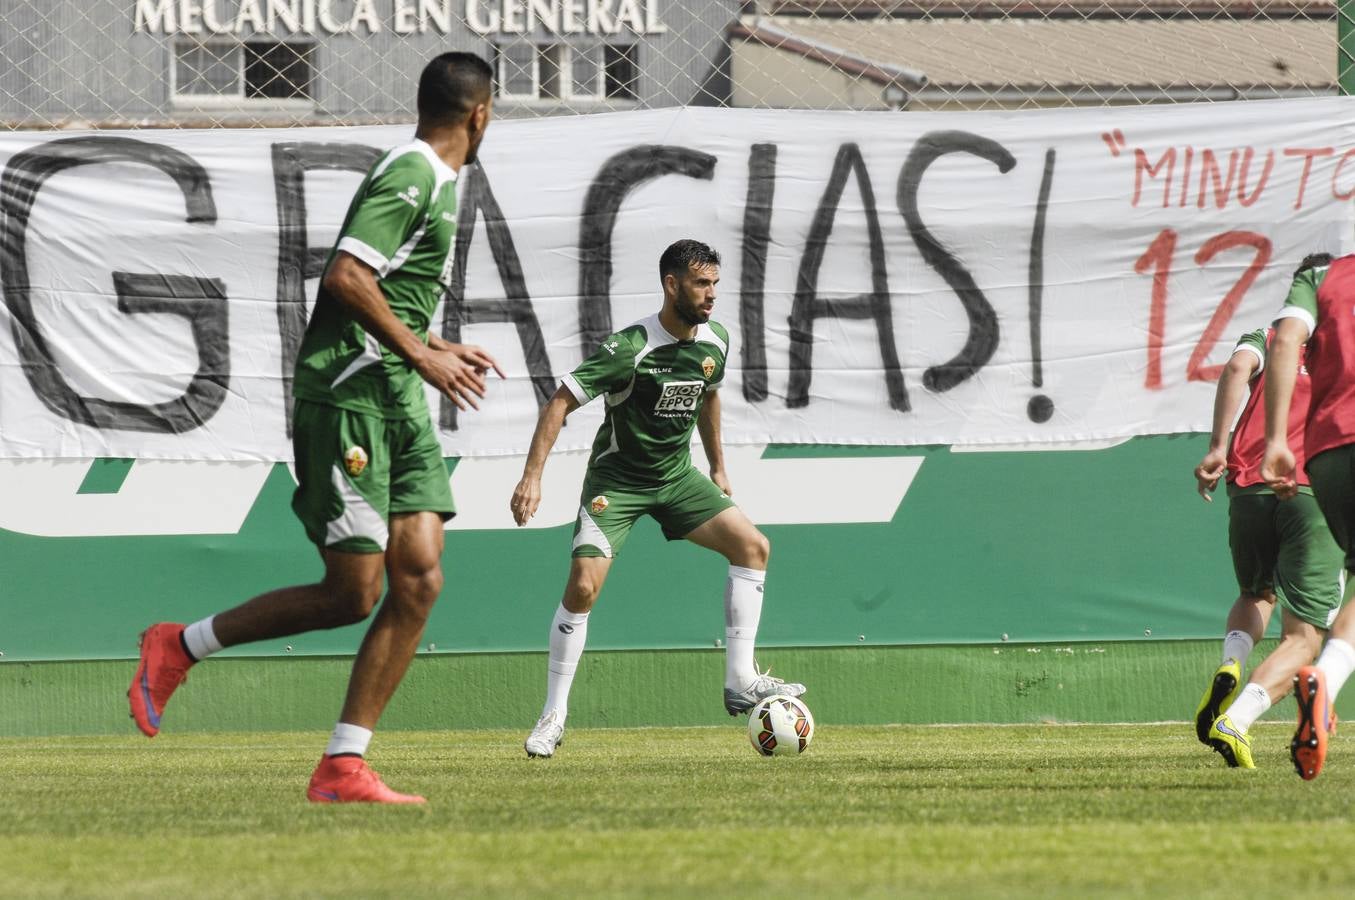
206 70
620 71
585 71
267 71
525 71
517 73
277 71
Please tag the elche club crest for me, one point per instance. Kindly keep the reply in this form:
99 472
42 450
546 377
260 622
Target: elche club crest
598 504
355 460
708 367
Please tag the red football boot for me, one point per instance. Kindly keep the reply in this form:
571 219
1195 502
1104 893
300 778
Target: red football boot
163 667
1308 749
347 779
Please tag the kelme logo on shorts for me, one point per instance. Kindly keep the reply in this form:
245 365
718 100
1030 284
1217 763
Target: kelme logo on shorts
679 396
708 367
355 460
598 504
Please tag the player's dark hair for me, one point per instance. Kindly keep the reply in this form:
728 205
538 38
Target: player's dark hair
1313 261
682 255
453 84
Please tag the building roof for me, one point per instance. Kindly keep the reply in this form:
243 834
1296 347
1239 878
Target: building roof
821 48
1173 54
1099 9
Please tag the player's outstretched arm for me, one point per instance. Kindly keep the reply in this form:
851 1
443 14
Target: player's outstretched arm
527 495
1228 397
1283 361
457 371
708 426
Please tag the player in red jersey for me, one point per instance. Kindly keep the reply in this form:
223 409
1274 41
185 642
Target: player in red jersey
1281 551
1319 310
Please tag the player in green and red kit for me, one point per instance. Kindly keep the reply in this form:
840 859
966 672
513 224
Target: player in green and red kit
373 492
659 379
1320 310
1280 549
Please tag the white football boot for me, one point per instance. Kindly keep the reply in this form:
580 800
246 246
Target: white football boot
548 734
762 687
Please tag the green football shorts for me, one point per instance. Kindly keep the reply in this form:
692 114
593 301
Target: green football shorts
355 471
1332 473
608 511
1286 545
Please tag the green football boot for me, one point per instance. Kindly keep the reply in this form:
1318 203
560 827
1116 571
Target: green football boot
1222 689
1233 745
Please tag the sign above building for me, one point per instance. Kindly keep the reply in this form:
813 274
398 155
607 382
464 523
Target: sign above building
308 17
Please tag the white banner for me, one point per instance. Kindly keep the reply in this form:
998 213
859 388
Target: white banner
888 278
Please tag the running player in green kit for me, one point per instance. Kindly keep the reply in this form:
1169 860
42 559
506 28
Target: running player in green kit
373 491
660 378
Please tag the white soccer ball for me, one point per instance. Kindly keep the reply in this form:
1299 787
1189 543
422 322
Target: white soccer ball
780 726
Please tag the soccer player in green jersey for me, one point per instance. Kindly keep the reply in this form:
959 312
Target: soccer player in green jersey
373 491
659 378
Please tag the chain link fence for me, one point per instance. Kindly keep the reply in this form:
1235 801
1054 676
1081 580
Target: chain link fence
208 63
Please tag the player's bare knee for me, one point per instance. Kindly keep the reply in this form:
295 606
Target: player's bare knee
753 551
581 593
427 587
763 549
1313 642
354 602
416 590
1301 636
351 588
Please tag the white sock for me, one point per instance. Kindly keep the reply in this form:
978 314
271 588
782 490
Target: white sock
1237 646
201 639
1251 702
1336 662
568 634
743 609
349 739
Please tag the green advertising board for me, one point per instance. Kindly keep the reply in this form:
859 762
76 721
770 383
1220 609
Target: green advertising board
982 547
1003 587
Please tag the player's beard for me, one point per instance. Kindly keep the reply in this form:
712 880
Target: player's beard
691 312
473 148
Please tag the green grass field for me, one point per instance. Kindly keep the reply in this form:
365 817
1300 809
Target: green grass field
1029 811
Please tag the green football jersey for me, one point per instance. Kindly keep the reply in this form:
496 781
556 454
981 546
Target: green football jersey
1302 296
654 386
1254 341
402 223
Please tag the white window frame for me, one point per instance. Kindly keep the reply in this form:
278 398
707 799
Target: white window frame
238 99
599 77
536 70
566 73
